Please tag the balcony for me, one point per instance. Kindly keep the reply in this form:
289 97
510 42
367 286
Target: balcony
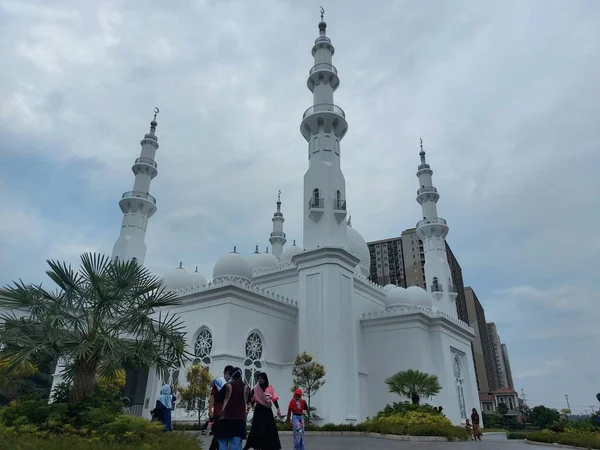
322 66
453 289
148 161
339 205
138 194
316 203
426 189
432 220
436 288
324 107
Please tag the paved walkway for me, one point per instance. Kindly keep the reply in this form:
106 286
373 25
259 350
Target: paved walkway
370 443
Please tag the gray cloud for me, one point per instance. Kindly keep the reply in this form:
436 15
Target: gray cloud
504 96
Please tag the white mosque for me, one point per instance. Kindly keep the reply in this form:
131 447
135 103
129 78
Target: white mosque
259 311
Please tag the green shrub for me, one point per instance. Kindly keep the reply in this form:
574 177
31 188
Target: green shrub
131 430
404 407
517 435
567 438
29 440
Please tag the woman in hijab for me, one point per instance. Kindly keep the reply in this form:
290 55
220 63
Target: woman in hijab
296 410
263 433
164 404
475 422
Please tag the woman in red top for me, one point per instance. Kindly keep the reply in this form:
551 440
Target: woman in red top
296 409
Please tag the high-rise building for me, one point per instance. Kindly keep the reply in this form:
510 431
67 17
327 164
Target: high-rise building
387 262
499 358
483 353
509 377
401 261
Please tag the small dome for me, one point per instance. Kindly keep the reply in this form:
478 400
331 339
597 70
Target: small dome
388 287
268 259
254 260
198 278
177 278
419 296
397 296
359 248
232 265
288 252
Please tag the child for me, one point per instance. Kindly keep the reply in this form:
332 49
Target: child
469 429
295 411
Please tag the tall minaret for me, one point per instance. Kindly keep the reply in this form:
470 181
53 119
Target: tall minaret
432 230
277 238
138 205
323 126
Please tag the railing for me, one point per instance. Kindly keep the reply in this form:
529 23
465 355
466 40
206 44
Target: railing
324 107
436 288
426 189
452 288
136 409
278 233
322 66
148 161
318 203
138 194
339 205
432 220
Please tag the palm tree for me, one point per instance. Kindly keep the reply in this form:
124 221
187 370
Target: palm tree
414 384
102 319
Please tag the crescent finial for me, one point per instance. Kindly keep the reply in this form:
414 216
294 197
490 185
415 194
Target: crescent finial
322 12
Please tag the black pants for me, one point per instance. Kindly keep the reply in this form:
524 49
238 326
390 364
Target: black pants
214 444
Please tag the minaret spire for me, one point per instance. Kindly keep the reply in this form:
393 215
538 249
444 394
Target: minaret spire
277 238
432 230
138 205
324 126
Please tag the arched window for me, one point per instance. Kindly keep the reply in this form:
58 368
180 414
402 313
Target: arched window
252 364
459 386
203 346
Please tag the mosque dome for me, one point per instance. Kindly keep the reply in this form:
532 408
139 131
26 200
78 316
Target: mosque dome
269 259
359 248
388 287
261 260
396 295
288 252
177 278
197 278
419 296
232 265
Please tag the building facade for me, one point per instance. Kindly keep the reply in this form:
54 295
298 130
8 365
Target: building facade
509 377
401 261
485 367
499 359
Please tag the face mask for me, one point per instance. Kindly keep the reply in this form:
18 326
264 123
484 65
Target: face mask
227 377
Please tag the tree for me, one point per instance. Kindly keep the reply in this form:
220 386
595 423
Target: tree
195 394
414 384
309 376
543 417
102 318
502 409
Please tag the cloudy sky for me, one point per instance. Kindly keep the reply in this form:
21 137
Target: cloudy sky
504 94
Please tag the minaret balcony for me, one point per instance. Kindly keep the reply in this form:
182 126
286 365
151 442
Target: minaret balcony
339 209
138 194
436 288
426 189
452 289
316 207
277 234
148 161
432 220
323 73
325 116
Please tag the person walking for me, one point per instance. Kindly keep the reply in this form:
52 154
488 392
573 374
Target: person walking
475 422
263 432
215 404
296 410
163 407
232 424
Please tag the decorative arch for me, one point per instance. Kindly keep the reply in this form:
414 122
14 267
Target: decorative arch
203 345
459 381
253 350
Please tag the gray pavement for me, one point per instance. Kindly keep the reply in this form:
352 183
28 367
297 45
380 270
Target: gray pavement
373 443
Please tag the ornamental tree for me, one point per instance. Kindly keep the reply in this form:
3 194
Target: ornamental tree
195 395
100 319
309 376
414 384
